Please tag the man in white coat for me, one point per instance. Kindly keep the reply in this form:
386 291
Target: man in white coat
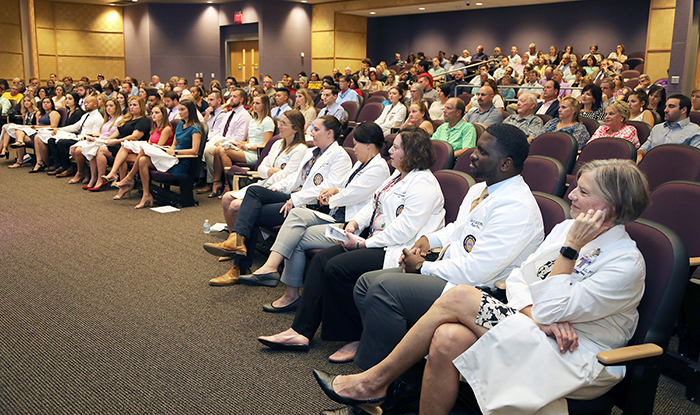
323 167
499 224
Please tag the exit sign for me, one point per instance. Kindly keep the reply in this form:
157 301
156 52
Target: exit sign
238 18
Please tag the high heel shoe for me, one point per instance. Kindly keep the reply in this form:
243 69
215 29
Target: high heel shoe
102 186
218 192
325 381
126 190
41 168
87 187
6 155
125 183
146 203
107 178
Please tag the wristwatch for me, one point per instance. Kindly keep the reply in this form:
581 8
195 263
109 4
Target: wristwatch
568 253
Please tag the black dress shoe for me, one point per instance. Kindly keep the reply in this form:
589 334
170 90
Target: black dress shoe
325 381
271 279
289 307
294 347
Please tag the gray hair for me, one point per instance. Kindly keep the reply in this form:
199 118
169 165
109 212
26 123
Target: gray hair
529 97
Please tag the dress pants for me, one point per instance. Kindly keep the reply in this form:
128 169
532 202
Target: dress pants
63 150
302 230
53 152
260 207
328 293
209 161
390 303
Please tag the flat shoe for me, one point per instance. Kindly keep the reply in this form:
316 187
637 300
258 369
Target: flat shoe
289 307
271 279
339 361
293 347
325 381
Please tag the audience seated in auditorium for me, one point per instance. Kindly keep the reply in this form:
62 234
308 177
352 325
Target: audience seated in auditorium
407 205
426 81
480 79
563 86
30 114
657 99
618 54
458 81
677 129
550 104
438 106
644 83
59 96
437 71
46 138
346 93
281 101
459 133
323 167
568 121
329 97
617 114
467 327
374 83
394 114
479 55
303 229
305 104
525 118
531 86
637 102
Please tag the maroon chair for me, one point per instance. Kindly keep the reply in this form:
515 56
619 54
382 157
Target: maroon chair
591 125
634 62
64 115
375 98
352 108
632 82
429 102
669 162
321 104
463 163
638 55
445 155
629 74
437 123
174 124
544 174
454 185
351 153
544 117
384 94
694 117
348 142
506 114
603 148
554 210
466 97
479 131
643 130
560 146
369 112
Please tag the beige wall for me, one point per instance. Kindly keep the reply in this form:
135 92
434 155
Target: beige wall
79 40
659 37
11 54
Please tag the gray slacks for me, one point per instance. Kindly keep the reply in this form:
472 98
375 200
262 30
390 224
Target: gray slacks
302 230
209 161
390 303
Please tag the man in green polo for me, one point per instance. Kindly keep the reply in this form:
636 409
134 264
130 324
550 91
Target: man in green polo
459 133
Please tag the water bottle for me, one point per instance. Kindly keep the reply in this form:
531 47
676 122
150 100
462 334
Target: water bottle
207 226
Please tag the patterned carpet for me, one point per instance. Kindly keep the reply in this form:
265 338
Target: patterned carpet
105 309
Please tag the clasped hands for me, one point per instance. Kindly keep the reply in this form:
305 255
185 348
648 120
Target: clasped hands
410 258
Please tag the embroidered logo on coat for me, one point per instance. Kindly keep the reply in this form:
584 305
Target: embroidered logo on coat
545 269
469 242
318 179
283 166
399 210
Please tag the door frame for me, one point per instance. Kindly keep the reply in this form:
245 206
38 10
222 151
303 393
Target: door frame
238 38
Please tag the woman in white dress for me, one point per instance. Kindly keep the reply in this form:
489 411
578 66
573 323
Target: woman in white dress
30 114
553 338
48 117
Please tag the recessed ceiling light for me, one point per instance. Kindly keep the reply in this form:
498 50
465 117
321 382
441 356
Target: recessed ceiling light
372 12
479 4
303 1
210 2
111 4
421 8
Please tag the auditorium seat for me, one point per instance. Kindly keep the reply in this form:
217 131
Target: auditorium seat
560 146
671 162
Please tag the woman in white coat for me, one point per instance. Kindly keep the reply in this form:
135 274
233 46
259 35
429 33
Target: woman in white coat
560 313
407 205
393 114
306 229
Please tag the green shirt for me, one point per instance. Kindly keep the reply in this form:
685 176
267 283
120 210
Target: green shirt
462 135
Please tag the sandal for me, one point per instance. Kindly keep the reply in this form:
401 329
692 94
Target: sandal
217 193
15 166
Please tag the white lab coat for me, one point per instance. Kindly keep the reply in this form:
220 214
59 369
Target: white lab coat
486 244
413 207
599 298
355 196
289 162
328 171
391 117
91 123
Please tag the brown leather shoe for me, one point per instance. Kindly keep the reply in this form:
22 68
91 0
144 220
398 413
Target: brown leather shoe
230 278
233 246
55 172
66 173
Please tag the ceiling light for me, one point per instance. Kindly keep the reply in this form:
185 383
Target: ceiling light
479 4
421 8
303 1
372 12
210 2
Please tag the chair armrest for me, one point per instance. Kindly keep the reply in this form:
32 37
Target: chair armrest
254 174
694 261
629 353
240 167
501 285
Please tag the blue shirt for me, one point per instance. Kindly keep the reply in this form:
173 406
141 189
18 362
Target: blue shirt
681 132
349 95
278 111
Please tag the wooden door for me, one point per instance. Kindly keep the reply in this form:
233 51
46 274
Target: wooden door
244 60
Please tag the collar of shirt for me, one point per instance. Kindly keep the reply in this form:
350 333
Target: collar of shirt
677 125
494 187
489 109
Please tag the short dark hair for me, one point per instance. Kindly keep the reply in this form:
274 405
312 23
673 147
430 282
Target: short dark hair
684 102
368 61
332 123
333 89
445 89
419 153
172 95
369 133
512 142
153 93
284 90
460 105
556 84
346 78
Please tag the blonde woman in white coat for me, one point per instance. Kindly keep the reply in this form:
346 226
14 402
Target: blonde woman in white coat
393 114
407 205
306 229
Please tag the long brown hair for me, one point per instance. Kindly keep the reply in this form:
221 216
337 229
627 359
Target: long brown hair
297 119
164 122
129 116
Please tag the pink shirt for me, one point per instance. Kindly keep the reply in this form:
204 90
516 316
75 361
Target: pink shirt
155 137
627 132
109 128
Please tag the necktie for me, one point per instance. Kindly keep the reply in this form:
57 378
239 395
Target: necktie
228 121
480 199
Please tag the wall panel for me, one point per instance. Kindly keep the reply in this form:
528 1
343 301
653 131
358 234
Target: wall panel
11 66
90 67
78 43
11 55
11 36
10 12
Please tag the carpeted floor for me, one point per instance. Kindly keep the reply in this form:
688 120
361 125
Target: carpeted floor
105 309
